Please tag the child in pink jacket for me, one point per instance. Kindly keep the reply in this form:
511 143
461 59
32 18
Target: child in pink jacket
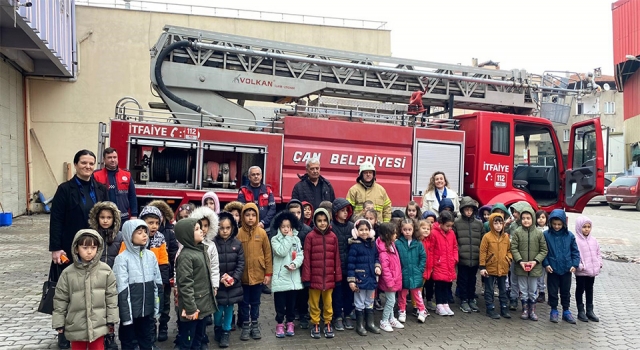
391 279
589 268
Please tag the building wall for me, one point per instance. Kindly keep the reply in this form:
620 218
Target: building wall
13 190
114 60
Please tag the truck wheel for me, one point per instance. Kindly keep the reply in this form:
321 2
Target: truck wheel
614 206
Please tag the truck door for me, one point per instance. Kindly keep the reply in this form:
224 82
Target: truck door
584 177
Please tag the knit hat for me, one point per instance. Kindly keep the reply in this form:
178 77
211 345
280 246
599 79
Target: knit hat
429 213
354 231
397 214
151 210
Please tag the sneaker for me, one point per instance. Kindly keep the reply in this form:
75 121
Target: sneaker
441 310
464 306
402 316
386 326
513 304
473 304
395 323
553 316
567 316
315 331
493 314
304 322
328 330
448 309
415 312
504 312
378 305
291 329
245 334
422 316
431 305
280 330
255 331
338 325
348 322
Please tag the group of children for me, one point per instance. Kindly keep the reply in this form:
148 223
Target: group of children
327 268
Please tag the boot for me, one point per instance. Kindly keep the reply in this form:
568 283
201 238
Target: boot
590 315
513 304
224 339
541 297
360 322
371 325
491 312
582 316
504 312
525 311
532 311
255 330
63 343
217 333
163 332
246 332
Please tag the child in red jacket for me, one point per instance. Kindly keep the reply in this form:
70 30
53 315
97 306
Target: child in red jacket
442 260
321 271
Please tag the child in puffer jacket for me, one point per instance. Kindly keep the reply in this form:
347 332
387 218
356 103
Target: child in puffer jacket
390 281
589 268
442 258
342 296
104 217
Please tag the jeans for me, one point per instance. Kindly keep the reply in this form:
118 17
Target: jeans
251 302
584 284
513 279
562 283
192 333
467 282
442 292
502 291
387 313
542 286
222 317
285 303
364 299
416 296
314 305
342 300
142 329
528 287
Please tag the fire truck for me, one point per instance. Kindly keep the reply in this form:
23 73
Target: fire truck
346 108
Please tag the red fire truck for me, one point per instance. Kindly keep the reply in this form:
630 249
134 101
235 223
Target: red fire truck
345 108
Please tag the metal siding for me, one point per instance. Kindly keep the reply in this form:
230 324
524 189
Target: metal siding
626 29
12 162
632 96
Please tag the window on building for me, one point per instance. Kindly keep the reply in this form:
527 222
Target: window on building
610 107
580 108
500 138
566 133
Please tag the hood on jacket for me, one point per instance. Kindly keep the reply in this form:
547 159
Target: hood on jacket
164 208
326 213
206 212
558 214
94 222
354 230
226 215
467 201
340 203
127 234
286 215
446 203
308 222
184 232
429 213
492 217
235 205
213 196
480 212
295 201
149 210
581 221
528 209
246 207
74 246
500 206
520 206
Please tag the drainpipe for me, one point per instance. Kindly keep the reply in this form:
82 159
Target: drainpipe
27 145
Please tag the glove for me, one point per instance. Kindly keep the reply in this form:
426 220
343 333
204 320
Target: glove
306 284
111 327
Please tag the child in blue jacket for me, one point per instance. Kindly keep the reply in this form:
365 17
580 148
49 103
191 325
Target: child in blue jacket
562 260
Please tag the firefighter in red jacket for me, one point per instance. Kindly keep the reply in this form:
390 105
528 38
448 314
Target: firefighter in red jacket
261 195
122 190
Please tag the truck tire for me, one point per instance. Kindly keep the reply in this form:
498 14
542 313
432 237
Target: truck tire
614 206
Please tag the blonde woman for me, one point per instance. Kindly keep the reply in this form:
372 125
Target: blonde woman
437 190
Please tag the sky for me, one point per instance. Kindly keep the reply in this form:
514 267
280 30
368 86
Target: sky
535 35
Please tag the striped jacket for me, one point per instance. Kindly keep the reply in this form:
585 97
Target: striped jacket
137 278
358 194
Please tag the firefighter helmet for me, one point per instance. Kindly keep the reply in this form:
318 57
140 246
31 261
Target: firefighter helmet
367 166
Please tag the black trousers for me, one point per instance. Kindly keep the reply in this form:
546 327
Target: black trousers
342 300
285 303
191 334
467 282
165 307
584 284
560 283
502 291
443 289
142 330
302 302
429 287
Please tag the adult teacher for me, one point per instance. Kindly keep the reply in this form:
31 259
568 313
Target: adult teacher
437 190
71 205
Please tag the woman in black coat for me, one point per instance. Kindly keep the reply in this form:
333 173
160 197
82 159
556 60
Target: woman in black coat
71 206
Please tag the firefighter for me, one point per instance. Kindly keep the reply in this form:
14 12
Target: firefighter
122 190
366 188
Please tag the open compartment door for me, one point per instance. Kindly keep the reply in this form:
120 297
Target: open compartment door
584 177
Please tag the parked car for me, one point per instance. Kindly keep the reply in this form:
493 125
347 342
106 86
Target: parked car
601 199
624 191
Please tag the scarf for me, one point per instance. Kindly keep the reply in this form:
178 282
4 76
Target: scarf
92 191
444 194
